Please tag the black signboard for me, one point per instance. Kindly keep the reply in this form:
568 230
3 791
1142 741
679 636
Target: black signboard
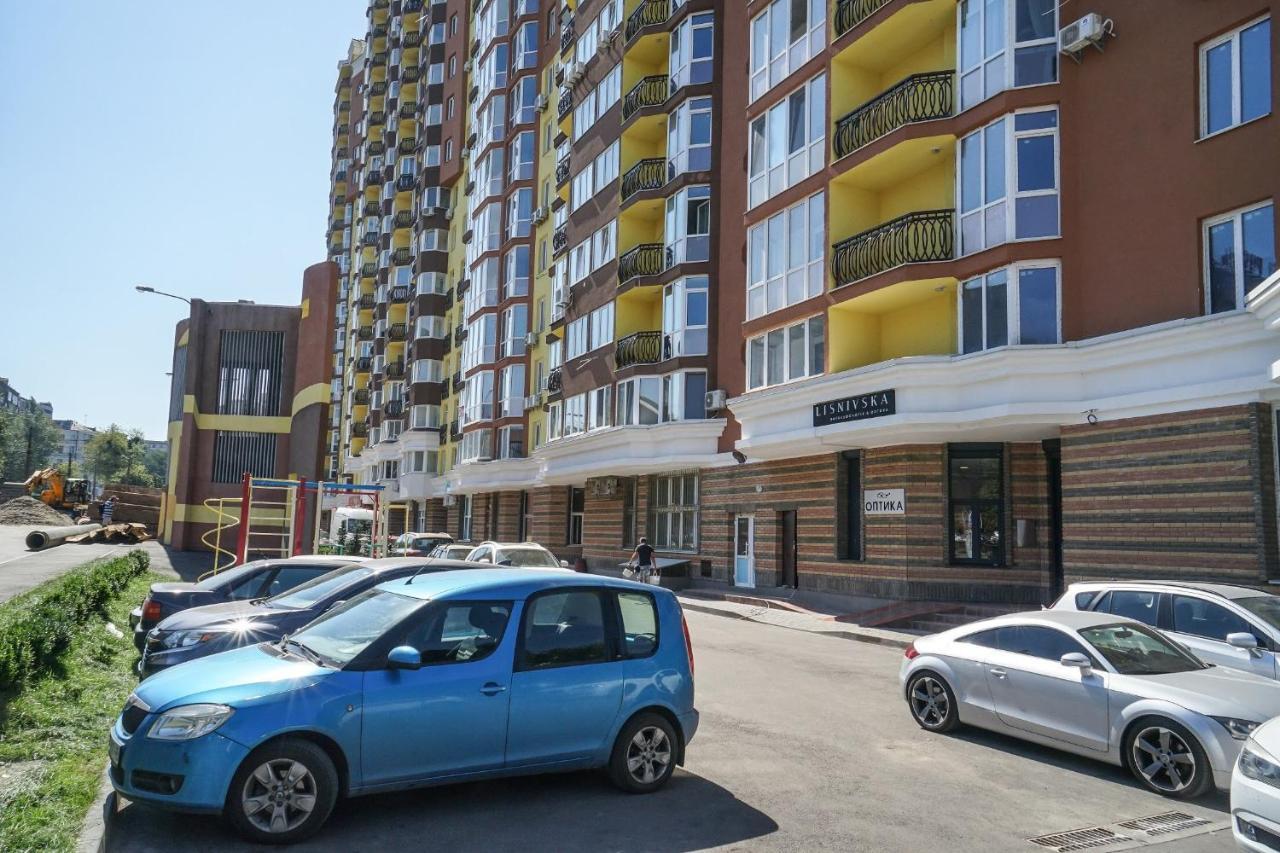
877 404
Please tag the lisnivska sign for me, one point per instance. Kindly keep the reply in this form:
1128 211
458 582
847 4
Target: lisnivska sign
876 404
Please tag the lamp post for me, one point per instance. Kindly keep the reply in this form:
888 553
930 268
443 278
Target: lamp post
142 288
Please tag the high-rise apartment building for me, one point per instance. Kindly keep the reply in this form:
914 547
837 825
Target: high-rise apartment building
904 298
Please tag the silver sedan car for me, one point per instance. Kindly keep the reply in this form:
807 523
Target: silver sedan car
1093 684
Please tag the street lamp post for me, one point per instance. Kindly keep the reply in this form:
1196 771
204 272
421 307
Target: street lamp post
142 288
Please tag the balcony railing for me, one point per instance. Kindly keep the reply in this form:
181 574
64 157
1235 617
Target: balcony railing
365 333
400 293
361 396
640 348
651 91
565 105
393 408
367 301
647 14
359 431
648 174
920 97
560 239
850 13
555 381
397 331
394 370
645 259
567 35
562 172
911 239
363 364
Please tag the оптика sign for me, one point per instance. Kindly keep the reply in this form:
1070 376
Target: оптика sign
876 404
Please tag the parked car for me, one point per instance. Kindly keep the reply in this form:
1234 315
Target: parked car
1235 626
257 579
418 544
202 631
1093 684
520 555
453 551
421 681
1255 791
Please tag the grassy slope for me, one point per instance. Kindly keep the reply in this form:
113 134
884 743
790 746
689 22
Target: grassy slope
61 720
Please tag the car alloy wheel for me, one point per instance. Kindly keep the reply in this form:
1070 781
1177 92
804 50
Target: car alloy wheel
279 795
929 702
1164 759
648 755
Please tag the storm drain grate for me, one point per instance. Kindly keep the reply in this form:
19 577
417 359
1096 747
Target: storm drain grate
1164 824
1089 838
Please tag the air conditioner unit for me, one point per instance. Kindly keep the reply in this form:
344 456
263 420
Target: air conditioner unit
466 66
1075 37
716 400
466 153
540 103
613 34
562 304
539 215
531 339
448 213
450 500
576 71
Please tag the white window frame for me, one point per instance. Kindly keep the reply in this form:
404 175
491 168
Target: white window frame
1005 56
783 169
1013 304
1237 87
810 273
770 70
808 370
1236 218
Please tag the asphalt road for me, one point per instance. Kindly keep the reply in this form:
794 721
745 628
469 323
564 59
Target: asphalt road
805 745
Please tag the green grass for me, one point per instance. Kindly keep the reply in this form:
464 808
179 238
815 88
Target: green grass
53 731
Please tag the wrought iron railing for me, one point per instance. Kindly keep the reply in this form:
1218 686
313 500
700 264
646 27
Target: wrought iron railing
363 364
645 259
400 293
565 105
562 171
850 13
393 408
920 97
651 91
555 380
640 348
648 174
918 237
647 14
394 370
361 396
397 331
365 333
560 239
567 35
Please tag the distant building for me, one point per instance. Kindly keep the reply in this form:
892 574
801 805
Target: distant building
12 401
75 436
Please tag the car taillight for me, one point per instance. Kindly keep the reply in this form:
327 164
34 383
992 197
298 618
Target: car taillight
910 652
688 642
151 610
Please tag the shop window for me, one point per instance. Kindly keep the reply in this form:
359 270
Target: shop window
975 489
849 506
675 512
577 507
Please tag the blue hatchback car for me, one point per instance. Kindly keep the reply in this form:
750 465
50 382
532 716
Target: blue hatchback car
434 679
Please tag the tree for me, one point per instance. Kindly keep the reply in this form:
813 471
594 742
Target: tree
156 463
116 456
29 441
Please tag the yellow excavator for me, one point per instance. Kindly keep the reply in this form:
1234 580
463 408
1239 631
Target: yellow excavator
52 487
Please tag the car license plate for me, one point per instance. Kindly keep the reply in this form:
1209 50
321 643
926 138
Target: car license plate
114 748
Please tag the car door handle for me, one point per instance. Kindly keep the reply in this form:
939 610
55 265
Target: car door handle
998 673
492 689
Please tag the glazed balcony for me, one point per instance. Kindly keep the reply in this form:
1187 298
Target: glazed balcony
651 91
364 364
650 13
640 348
647 259
649 174
915 238
850 13
920 97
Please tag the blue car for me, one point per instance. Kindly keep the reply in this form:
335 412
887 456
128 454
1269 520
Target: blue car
419 681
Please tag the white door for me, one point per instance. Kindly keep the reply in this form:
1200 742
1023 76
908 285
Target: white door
744 551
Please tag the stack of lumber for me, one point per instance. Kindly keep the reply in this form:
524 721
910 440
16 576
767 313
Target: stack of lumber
136 504
126 533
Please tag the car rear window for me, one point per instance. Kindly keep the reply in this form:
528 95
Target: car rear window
639 624
307 594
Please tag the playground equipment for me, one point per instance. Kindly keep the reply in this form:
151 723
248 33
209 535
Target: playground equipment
269 519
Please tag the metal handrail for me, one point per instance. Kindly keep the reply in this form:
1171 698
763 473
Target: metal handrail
647 14
651 91
554 380
927 235
920 97
648 174
850 13
645 259
639 348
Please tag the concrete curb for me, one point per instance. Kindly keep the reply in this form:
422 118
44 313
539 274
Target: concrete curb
97 822
878 637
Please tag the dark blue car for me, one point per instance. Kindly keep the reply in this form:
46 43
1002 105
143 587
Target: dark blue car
202 631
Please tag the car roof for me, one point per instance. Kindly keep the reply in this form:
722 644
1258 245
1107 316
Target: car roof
426 536
337 559
1223 590
386 564
510 545
1073 619
502 583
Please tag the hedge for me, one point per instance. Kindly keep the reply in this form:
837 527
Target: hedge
37 625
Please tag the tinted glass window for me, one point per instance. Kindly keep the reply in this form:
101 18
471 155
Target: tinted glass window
290 576
345 631
1143 606
989 639
459 633
233 577
248 586
1083 599
564 628
529 558
1037 642
314 590
1266 607
1135 650
639 624
1202 618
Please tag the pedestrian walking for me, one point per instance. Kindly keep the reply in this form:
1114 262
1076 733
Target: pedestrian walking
108 509
642 559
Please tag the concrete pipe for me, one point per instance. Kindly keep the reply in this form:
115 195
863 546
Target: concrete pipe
52 536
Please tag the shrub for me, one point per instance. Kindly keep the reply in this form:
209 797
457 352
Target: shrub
37 625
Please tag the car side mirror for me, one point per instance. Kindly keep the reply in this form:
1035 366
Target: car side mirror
564 564
1078 660
404 657
338 603
1243 640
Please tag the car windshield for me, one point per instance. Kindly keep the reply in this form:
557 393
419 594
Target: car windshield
1138 650
424 544
230 576
1265 607
527 558
348 629
307 594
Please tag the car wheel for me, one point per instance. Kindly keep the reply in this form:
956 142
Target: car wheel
644 755
1167 759
283 792
932 703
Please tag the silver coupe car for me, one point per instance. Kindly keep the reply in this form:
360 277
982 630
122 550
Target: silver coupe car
1093 684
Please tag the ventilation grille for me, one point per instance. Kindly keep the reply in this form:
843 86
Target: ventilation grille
1090 838
1164 824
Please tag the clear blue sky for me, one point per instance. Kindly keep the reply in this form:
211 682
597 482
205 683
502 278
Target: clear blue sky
179 144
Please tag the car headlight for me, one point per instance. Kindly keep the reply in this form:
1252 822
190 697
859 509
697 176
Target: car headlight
1239 729
188 722
1258 765
183 639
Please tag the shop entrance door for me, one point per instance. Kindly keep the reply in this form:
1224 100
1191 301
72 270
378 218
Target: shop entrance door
744 551
787 536
1053 465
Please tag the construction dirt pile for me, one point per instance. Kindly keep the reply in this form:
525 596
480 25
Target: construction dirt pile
29 512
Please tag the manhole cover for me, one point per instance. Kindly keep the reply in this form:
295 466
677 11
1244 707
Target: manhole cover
1089 838
1164 824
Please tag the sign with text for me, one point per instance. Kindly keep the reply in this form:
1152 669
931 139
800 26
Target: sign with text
884 502
877 404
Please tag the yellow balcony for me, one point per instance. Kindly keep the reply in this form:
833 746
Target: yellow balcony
644 139
917 36
646 17
637 310
909 318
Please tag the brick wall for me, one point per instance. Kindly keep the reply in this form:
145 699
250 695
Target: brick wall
549 522
507 528
1190 495
437 518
